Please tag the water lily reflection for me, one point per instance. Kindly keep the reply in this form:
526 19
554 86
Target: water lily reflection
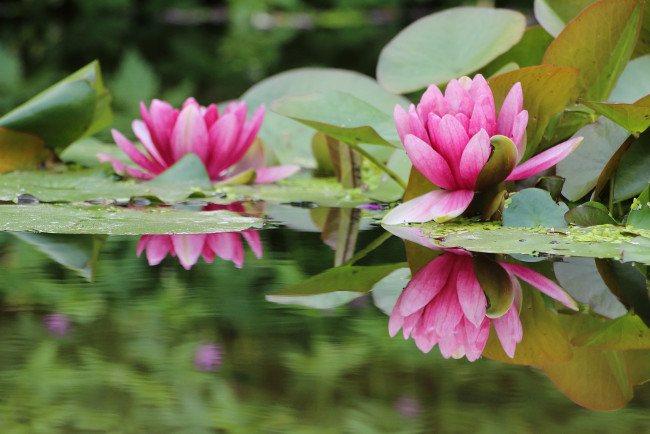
454 299
188 247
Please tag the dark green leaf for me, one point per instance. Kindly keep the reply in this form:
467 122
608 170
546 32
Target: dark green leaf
533 207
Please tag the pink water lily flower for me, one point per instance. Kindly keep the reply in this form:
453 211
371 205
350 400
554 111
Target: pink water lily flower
448 139
188 247
224 142
444 304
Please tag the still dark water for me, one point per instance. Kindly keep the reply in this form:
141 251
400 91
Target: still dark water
166 350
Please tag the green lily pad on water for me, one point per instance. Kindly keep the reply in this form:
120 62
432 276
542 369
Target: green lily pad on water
70 219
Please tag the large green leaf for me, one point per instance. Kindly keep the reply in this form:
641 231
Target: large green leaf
341 116
633 117
627 332
599 41
290 140
533 207
583 166
544 339
70 219
447 45
547 90
68 110
595 379
639 216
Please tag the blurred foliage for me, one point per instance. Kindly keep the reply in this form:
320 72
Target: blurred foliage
126 362
171 49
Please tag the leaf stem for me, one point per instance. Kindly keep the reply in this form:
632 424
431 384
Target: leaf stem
394 176
369 248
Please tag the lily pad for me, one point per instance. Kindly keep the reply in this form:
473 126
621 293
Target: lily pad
554 15
439 47
634 82
69 219
599 42
290 140
341 116
533 207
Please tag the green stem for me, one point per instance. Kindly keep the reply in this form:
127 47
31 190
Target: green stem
394 176
369 248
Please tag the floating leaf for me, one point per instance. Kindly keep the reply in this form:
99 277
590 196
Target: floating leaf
589 214
439 47
636 250
533 207
633 117
595 241
599 42
69 219
289 140
188 172
582 167
341 116
547 90
544 339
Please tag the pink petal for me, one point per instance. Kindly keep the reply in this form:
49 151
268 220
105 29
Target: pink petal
438 205
160 121
425 340
426 284
509 330
210 115
134 154
275 173
122 169
476 154
451 141
470 295
144 136
477 121
430 163
228 246
249 130
252 237
223 135
476 338
396 319
519 129
542 283
411 322
416 126
451 345
190 134
432 101
401 122
544 160
464 120
444 313
188 248
254 158
459 98
157 247
509 110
